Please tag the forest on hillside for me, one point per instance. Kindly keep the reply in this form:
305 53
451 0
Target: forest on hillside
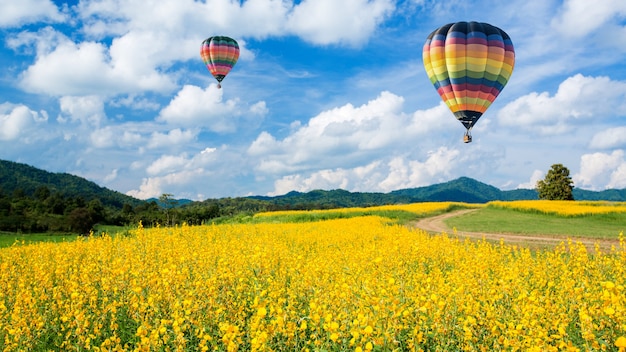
46 211
37 201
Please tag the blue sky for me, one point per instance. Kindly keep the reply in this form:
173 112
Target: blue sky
326 94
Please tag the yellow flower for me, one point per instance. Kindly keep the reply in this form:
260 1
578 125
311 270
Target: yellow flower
262 312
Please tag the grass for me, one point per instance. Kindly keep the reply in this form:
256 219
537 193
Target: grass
8 239
498 220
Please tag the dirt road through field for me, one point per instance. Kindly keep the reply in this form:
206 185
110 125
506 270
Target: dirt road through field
437 224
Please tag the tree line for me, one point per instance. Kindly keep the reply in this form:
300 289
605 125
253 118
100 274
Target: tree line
48 211
45 210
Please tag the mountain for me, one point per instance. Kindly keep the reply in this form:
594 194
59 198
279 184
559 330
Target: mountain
27 179
463 189
337 198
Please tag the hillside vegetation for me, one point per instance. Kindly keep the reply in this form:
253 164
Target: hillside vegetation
34 201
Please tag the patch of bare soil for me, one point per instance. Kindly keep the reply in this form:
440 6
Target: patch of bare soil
437 224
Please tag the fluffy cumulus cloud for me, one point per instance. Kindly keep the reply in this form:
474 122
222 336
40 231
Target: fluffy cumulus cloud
86 110
64 67
183 173
330 21
16 13
580 17
600 171
17 120
532 183
580 100
346 136
614 137
317 21
197 107
392 173
153 187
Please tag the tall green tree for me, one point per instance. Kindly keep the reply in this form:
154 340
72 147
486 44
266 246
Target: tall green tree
557 185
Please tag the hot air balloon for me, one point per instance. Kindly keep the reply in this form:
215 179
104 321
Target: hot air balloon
219 54
469 63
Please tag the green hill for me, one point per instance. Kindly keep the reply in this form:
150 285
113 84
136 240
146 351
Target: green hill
27 179
463 189
32 199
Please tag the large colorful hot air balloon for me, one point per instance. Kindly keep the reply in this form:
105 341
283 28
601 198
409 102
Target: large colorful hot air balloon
468 63
219 54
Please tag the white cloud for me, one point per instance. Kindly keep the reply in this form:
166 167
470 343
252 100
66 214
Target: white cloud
166 163
439 165
87 110
153 187
111 176
614 137
16 120
64 67
121 136
174 137
135 103
15 13
618 178
103 137
195 107
338 22
532 183
579 100
580 17
600 171
342 136
388 174
320 21
178 174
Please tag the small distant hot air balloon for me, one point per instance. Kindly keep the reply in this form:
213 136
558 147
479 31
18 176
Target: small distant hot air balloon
219 54
469 63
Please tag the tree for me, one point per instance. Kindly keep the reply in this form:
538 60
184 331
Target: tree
81 221
168 203
557 185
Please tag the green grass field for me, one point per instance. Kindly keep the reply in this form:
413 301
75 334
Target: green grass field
8 239
496 220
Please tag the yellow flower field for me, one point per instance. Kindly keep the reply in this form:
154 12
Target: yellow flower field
564 207
356 284
416 208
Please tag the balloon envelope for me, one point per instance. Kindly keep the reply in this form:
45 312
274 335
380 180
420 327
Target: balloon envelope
469 63
219 54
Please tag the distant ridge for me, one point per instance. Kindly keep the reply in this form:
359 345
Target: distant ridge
464 189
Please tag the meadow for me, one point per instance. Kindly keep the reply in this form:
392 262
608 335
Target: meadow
499 219
349 280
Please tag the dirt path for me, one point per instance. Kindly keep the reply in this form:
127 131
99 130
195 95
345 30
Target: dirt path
437 224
